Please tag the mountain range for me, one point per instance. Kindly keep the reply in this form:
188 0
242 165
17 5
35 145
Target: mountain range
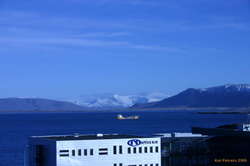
109 100
230 95
36 104
84 102
226 96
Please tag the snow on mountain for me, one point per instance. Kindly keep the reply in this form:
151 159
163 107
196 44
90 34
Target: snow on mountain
225 96
118 101
238 87
229 88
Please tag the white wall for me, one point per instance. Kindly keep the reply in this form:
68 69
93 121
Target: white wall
246 127
108 160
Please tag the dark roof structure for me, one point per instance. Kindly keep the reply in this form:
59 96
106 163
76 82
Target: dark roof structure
220 132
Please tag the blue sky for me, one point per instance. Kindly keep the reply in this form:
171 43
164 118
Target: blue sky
65 48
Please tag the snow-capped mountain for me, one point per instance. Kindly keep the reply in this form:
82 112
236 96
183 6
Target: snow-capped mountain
229 95
117 101
229 88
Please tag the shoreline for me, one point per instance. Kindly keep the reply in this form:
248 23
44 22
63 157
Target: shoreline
207 110
227 112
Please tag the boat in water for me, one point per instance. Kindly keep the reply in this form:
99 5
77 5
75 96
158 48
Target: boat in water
121 117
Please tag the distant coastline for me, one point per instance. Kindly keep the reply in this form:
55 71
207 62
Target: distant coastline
226 112
201 110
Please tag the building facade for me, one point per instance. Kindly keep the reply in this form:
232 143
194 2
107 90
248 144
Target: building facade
105 150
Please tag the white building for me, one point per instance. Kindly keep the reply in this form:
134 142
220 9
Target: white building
246 127
94 150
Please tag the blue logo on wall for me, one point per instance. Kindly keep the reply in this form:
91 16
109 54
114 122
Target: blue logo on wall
134 142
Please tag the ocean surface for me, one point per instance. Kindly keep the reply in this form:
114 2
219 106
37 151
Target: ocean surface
16 128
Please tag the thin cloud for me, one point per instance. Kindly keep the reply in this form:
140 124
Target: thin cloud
54 42
61 41
227 24
157 48
102 34
35 29
107 2
114 28
214 26
37 20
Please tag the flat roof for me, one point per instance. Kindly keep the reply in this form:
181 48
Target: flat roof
177 135
219 132
86 137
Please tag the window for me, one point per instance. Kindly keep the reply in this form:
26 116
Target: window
134 150
156 164
129 150
120 164
114 150
63 153
73 152
115 164
151 149
151 164
146 165
39 155
79 152
103 151
85 152
140 165
156 149
140 149
91 152
145 149
120 149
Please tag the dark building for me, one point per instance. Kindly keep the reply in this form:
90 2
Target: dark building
228 144
184 150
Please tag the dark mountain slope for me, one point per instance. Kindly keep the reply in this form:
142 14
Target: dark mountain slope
221 96
35 104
